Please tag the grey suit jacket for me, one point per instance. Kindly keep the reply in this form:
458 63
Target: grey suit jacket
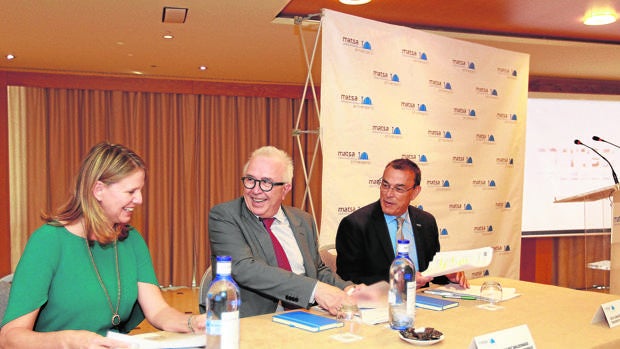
364 246
237 232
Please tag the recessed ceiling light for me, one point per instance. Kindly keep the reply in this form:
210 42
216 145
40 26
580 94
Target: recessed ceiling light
355 2
10 57
600 17
168 36
202 67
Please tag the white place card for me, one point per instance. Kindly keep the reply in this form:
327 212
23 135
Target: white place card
518 337
609 312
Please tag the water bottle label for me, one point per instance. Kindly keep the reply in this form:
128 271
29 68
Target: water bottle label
214 327
411 288
230 330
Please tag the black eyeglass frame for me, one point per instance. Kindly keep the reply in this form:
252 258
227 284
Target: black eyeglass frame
261 183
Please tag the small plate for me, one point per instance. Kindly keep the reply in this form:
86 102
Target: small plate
421 342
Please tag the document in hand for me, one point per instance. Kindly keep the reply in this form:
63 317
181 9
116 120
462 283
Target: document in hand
307 321
450 262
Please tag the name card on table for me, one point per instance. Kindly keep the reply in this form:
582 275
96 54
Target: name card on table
518 337
609 312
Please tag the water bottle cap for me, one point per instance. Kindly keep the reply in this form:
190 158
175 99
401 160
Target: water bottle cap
223 259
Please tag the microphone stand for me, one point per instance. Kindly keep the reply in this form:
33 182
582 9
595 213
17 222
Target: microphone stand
613 173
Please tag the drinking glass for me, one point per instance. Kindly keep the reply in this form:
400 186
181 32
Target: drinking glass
491 292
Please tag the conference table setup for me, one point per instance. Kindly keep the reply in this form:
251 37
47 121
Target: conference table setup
556 317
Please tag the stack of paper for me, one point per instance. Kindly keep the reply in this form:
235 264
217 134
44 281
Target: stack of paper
161 339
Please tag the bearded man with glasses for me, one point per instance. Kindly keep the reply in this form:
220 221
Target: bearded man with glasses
274 248
366 239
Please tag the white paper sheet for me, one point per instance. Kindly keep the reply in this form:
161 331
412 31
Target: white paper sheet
453 261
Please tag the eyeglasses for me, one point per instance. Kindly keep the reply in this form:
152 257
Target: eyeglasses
400 189
264 184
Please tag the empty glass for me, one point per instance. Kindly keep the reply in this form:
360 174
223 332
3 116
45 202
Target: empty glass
491 292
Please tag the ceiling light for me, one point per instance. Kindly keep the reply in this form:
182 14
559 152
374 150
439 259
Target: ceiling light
600 17
10 57
202 67
355 2
168 36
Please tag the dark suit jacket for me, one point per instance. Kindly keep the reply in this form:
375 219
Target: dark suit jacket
237 232
364 246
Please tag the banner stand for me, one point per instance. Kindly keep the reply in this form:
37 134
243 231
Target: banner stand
309 85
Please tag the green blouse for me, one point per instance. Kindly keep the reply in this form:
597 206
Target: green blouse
55 274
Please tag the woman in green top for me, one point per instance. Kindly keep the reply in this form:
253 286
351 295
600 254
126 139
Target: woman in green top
87 271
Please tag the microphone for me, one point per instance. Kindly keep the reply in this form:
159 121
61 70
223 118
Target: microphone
613 173
599 139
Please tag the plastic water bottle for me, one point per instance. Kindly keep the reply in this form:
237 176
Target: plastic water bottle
401 295
223 303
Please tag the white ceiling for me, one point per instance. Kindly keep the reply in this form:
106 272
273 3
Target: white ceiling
236 39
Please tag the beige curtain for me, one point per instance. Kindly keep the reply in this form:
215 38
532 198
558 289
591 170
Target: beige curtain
194 147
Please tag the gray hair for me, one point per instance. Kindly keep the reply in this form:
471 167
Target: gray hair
273 153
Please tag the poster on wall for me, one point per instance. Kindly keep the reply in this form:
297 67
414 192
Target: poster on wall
457 109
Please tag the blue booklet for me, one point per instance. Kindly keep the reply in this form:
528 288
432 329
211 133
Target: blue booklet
432 303
307 321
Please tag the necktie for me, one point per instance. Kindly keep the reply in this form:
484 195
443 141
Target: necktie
399 229
277 247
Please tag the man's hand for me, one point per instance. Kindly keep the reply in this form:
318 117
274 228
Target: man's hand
329 297
459 278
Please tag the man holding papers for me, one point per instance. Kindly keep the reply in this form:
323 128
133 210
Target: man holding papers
366 239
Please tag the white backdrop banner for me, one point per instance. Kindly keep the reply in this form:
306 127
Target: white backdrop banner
457 109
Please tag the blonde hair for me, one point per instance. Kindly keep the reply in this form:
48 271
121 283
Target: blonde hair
107 163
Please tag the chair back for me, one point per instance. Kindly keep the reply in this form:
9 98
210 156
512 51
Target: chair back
205 281
5 289
328 256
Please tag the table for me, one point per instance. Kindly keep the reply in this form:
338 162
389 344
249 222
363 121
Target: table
557 318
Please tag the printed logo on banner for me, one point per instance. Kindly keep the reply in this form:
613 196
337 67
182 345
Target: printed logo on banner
420 159
500 205
486 184
345 210
415 55
445 136
442 86
482 138
443 232
466 66
440 184
364 102
465 113
387 131
461 207
361 46
505 161
479 274
507 72
482 229
507 117
360 157
418 108
501 249
463 160
487 92
374 182
387 78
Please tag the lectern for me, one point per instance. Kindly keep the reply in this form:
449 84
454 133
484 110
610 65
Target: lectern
611 193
